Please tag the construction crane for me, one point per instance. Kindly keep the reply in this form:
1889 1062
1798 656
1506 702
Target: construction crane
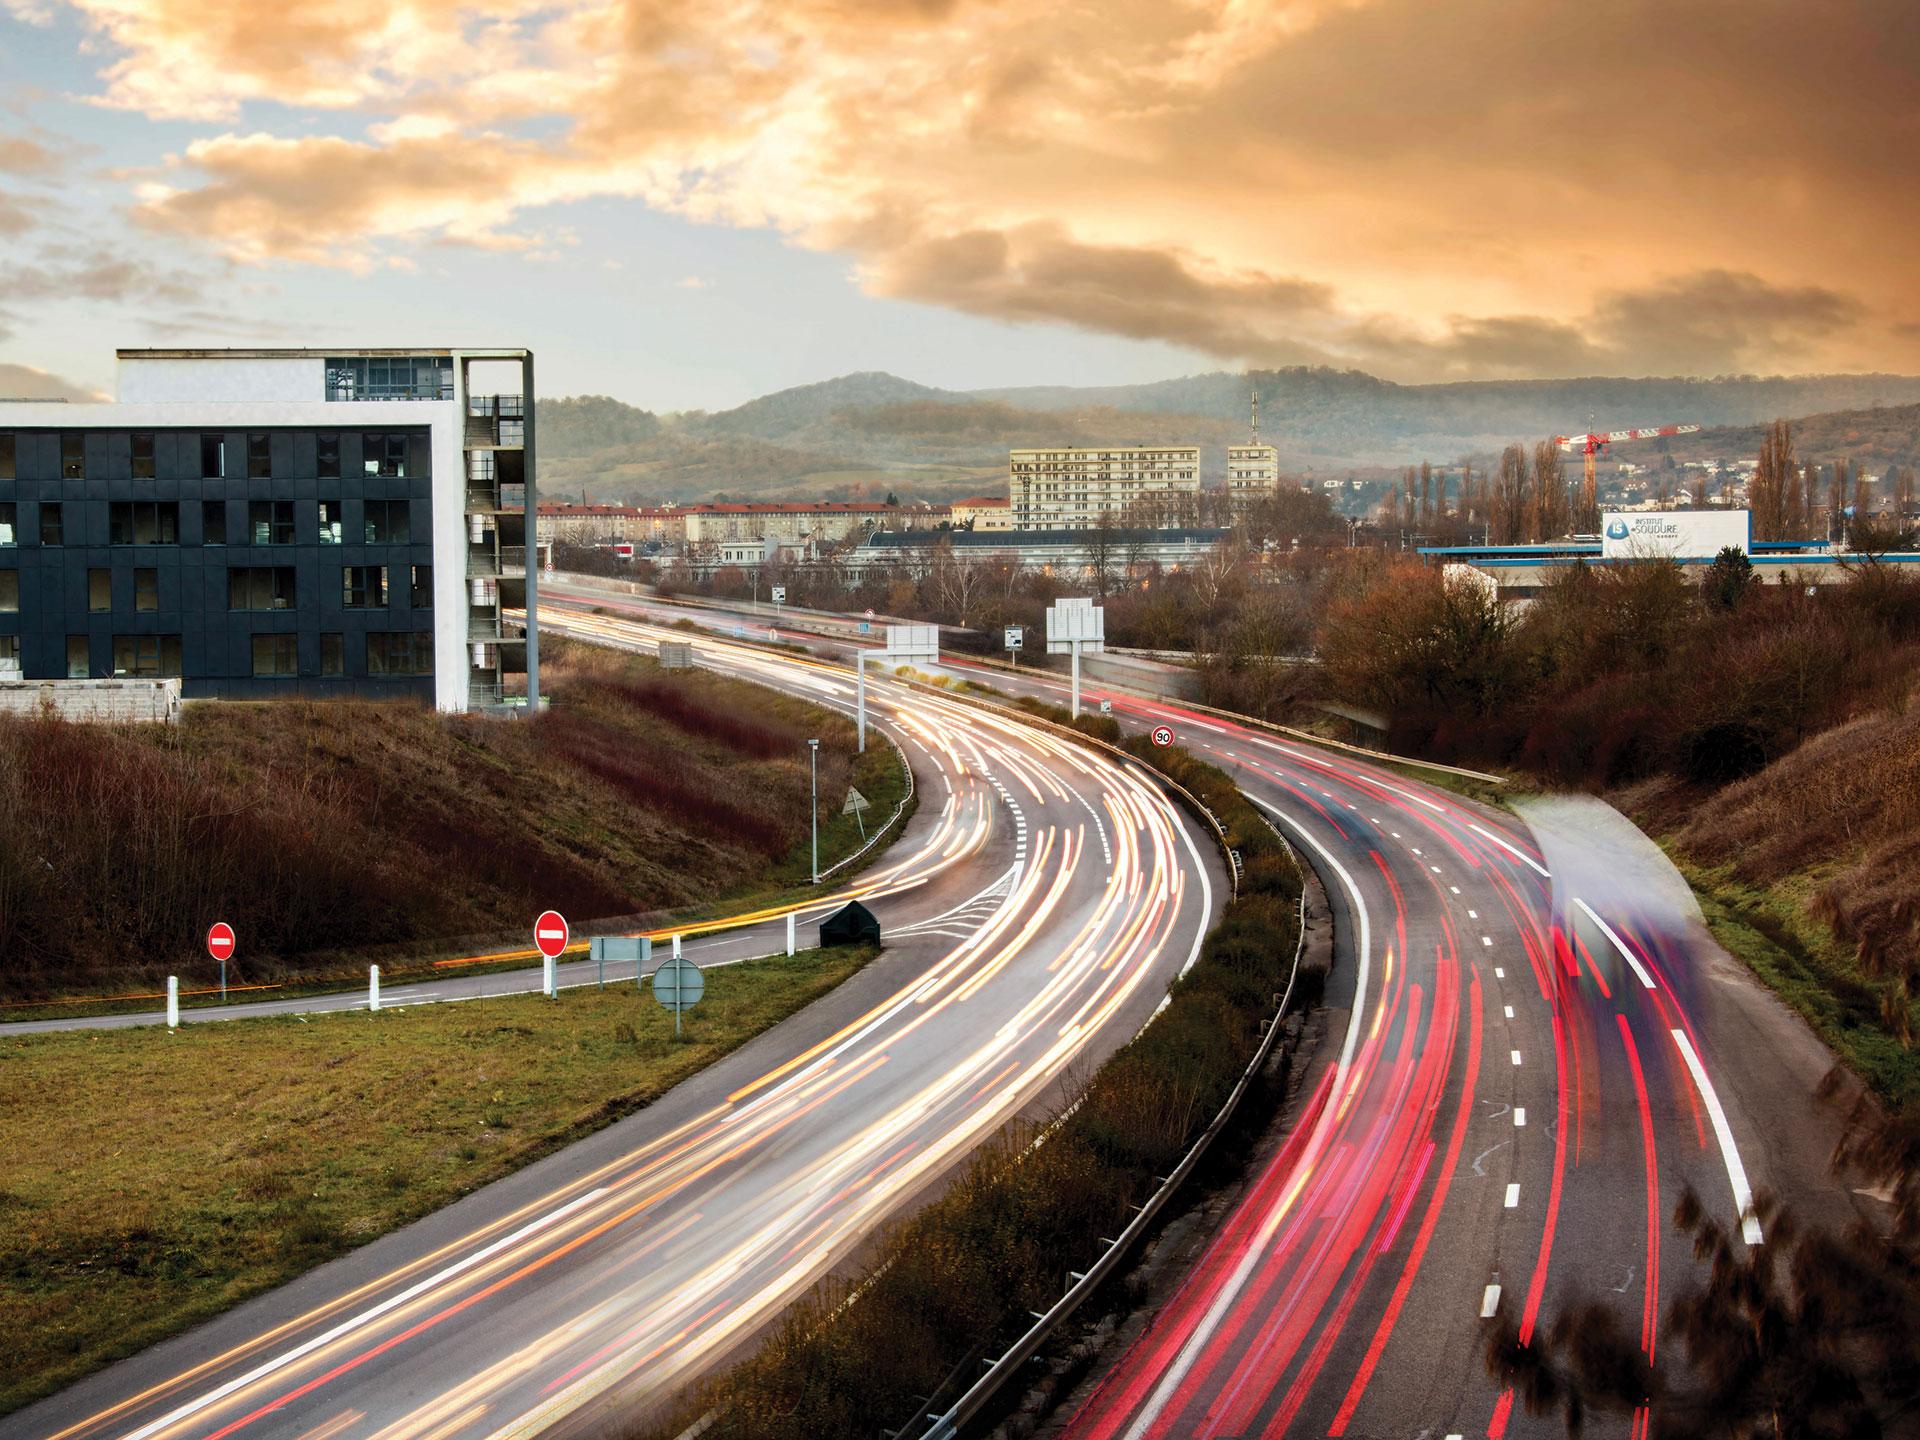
1593 442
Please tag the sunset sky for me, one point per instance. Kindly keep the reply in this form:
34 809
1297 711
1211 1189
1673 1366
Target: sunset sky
684 203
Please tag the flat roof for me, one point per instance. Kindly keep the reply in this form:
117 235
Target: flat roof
343 351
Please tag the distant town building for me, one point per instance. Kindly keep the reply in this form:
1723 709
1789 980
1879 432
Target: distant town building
263 523
824 522
983 512
589 524
1067 489
1061 552
1253 473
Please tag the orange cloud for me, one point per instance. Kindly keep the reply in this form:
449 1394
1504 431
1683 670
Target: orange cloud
1474 187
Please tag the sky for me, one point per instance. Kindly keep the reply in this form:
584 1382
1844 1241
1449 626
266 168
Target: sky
685 203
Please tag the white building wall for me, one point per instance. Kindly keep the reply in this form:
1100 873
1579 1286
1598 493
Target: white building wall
170 380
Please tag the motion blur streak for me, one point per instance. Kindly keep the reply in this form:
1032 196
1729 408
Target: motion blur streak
1083 894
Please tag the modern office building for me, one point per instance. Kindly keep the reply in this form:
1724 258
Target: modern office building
1253 472
1070 489
266 523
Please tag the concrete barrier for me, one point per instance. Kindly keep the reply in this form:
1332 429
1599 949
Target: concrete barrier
96 701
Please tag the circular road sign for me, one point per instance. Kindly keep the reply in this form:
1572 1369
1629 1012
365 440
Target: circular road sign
550 934
1162 735
220 941
678 983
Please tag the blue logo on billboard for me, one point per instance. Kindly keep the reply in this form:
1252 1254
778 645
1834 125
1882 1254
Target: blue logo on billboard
1617 530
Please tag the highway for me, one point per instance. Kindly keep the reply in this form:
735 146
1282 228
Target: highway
1534 1049
1036 908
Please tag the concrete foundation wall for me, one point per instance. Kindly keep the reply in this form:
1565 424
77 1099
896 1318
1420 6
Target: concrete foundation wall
98 701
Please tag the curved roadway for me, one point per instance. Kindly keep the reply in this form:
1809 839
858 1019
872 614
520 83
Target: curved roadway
1036 909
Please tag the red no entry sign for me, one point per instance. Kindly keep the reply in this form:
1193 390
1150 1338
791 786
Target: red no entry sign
220 941
550 934
1162 735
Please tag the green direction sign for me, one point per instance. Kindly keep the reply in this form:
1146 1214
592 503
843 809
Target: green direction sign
678 984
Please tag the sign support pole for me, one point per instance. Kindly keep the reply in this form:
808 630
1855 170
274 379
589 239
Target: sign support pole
223 982
1076 679
813 816
860 689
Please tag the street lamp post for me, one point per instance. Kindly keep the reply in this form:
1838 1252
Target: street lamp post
813 814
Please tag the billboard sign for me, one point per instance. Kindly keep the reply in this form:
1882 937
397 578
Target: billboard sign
1076 625
1675 534
913 642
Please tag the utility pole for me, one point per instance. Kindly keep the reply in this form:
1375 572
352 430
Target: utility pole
813 814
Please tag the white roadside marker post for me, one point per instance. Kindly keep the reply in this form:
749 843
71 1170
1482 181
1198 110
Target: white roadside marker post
373 988
789 932
173 1002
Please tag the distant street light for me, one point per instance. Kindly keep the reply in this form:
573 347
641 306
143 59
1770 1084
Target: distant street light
813 814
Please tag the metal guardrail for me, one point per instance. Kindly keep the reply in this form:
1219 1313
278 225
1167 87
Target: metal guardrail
892 820
945 1425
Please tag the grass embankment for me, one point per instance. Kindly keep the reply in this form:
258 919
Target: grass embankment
249 1153
965 1272
333 834
1810 872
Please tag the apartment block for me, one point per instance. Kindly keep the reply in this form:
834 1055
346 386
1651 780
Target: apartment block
268 523
1253 472
1069 489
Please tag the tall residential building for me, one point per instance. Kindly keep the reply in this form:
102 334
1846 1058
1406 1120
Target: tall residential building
1076 489
1253 472
264 523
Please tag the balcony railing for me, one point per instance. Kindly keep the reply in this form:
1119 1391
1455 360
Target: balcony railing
483 562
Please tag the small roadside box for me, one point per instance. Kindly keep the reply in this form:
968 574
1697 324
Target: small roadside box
851 924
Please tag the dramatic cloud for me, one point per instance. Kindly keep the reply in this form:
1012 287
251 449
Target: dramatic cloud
98 275
25 382
1467 188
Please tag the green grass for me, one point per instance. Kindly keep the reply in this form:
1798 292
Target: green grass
1769 930
149 1180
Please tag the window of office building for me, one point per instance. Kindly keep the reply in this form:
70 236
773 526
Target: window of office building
143 522
270 522
259 457
213 456
146 590
8 512
9 657
213 522
142 450
9 592
390 377
332 526
384 454
333 654
276 655
79 658
99 591
73 457
327 456
147 657
260 587
53 526
402 652
7 456
363 587
387 522
422 597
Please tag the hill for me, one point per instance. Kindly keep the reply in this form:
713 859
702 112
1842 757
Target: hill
873 432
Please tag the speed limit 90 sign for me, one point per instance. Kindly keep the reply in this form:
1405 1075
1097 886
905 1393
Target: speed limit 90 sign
1162 735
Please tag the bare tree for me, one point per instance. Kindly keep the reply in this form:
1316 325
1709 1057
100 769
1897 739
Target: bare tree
1511 503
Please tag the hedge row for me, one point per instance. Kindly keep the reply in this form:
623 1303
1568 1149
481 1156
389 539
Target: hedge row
966 1271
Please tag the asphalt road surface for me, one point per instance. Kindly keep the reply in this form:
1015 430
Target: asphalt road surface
1036 909
1536 1047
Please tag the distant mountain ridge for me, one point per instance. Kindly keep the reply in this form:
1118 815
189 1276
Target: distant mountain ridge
871 431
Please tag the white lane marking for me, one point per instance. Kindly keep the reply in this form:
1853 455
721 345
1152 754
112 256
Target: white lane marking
1202 1335
1487 940
1490 1301
1416 849
1454 888
1498 973
1434 868
1394 833
365 1317
1729 1152
1473 914
1519 1117
1520 855
1625 954
1509 1012
1513 1196
1516 1057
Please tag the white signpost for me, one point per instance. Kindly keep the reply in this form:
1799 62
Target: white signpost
779 595
1016 640
1674 534
1076 628
904 643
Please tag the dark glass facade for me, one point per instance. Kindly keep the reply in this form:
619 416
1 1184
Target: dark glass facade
170 515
